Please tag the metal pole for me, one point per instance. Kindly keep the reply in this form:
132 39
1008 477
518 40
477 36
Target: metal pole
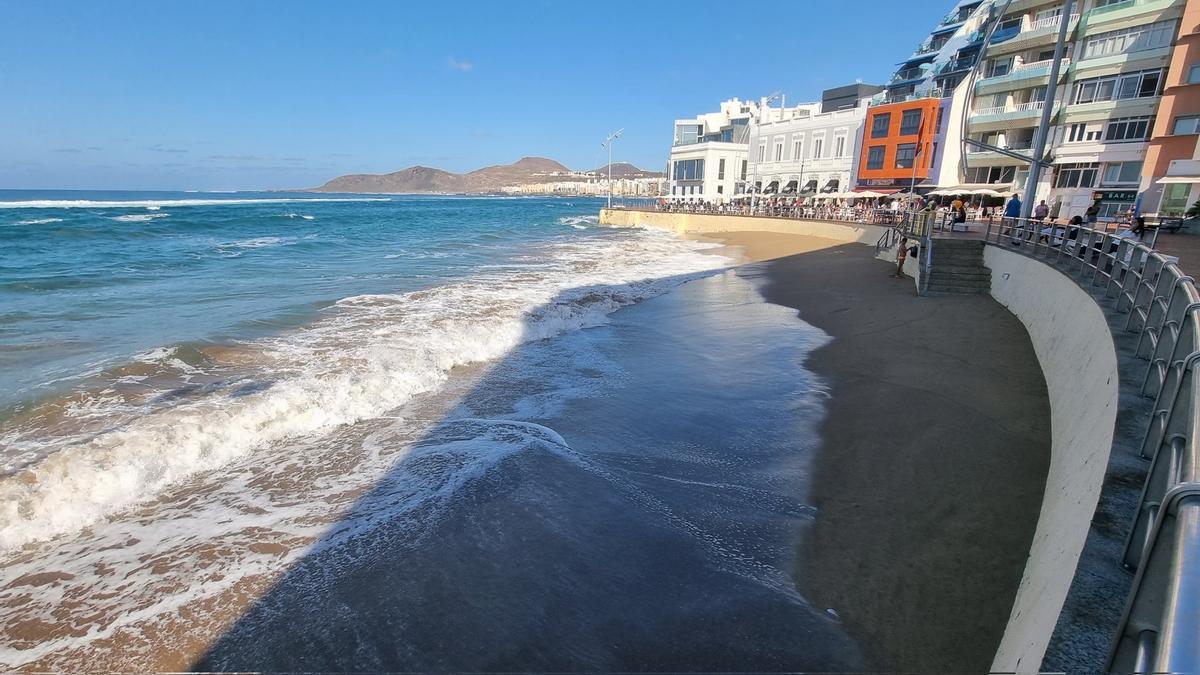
1043 131
610 175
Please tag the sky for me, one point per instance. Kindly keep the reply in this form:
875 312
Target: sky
251 94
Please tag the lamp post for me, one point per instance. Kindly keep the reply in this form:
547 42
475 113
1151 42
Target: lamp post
608 143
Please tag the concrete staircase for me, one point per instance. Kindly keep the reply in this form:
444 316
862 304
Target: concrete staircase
958 268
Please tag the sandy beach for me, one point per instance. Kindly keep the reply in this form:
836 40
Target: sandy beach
933 455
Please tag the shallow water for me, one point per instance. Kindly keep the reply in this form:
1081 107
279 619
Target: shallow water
407 450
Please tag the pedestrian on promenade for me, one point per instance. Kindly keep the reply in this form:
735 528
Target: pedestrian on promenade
901 255
1012 213
1092 214
1041 211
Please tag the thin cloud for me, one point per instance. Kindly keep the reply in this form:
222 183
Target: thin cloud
158 147
464 66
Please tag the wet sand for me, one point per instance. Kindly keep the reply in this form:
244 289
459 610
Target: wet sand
933 457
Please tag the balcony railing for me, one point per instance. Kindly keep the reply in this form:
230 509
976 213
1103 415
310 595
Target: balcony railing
1049 22
1016 108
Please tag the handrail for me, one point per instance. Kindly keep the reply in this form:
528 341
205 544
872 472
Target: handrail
1158 629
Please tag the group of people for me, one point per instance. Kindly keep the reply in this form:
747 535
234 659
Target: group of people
861 210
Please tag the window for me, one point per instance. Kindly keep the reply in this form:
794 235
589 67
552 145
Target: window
744 163
998 67
1077 175
1127 129
762 152
1136 39
905 154
939 120
1193 76
721 188
1186 125
1122 173
779 150
910 122
1084 132
880 125
991 174
721 169
818 147
1118 87
839 146
797 148
689 169
687 134
875 157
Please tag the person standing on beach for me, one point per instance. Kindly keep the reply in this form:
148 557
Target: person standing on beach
901 255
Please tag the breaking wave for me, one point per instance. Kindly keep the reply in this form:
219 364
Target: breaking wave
370 354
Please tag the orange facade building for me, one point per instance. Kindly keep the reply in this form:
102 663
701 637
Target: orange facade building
899 142
1171 174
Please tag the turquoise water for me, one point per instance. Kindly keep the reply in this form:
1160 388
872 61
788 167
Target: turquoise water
279 432
94 284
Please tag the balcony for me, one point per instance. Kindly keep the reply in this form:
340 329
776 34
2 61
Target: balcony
1030 34
1023 72
1005 116
1128 8
884 99
979 157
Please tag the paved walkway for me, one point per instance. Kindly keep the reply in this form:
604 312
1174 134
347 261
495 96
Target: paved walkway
934 459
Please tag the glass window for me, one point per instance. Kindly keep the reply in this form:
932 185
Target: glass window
1128 129
999 67
880 125
1122 173
1189 124
1193 76
689 169
875 157
762 152
744 163
818 147
797 148
839 146
779 150
1076 175
1126 40
1116 87
905 154
721 169
910 122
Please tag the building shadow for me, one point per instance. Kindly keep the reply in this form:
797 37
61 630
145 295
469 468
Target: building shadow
657 535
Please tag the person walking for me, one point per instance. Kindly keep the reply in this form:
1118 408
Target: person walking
901 255
1092 214
1012 214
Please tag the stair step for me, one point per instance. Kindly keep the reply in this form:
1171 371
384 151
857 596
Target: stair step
954 268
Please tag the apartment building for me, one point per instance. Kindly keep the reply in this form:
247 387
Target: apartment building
1171 173
811 147
709 154
1111 80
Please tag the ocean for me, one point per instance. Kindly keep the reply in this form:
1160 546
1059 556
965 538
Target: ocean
295 432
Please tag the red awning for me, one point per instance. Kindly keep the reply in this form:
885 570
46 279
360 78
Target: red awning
882 191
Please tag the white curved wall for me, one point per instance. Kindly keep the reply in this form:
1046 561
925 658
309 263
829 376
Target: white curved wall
1074 347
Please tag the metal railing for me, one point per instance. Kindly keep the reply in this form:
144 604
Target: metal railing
1160 627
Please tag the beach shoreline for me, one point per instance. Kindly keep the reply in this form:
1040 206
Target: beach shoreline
912 547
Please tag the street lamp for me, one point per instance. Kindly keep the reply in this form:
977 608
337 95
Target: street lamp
608 143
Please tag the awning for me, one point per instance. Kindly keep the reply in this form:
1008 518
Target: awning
791 186
1175 180
831 186
871 192
772 187
809 187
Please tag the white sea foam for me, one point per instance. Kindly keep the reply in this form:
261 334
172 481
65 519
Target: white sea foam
259 242
140 217
39 221
301 215
148 203
579 222
369 355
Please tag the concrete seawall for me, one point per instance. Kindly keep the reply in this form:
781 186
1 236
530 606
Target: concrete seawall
705 223
1075 351
1074 347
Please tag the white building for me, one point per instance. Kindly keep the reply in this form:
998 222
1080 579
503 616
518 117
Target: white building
709 153
809 148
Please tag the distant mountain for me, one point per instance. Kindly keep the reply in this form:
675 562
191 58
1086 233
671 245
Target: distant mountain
626 170
419 179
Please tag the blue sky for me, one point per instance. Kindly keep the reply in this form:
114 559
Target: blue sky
255 94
